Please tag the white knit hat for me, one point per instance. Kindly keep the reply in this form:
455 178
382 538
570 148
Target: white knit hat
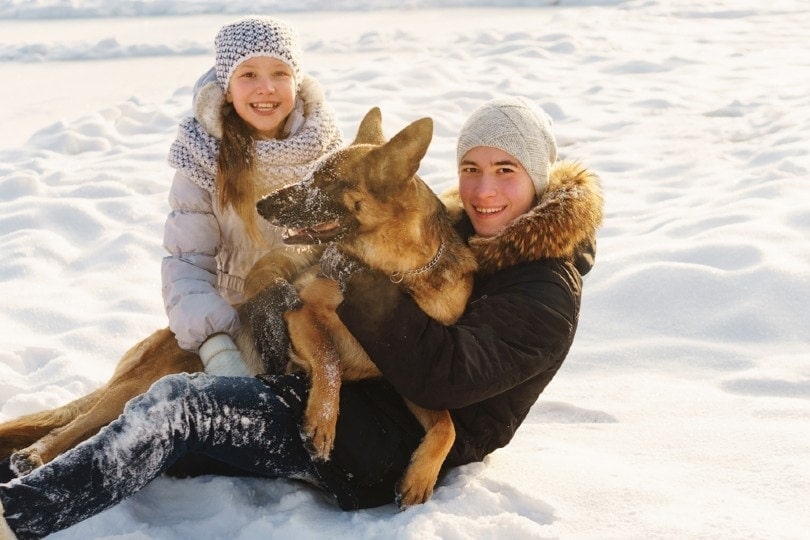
252 37
519 128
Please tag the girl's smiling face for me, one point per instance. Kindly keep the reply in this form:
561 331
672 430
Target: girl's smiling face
262 91
494 189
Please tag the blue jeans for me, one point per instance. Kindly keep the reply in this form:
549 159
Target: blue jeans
239 421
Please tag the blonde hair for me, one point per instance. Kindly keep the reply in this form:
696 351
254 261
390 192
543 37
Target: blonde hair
236 172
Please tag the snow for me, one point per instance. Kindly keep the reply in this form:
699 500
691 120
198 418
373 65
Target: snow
683 410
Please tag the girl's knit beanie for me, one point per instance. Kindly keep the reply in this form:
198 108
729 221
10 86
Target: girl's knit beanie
251 37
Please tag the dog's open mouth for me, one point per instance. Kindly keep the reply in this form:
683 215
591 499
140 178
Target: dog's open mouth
320 233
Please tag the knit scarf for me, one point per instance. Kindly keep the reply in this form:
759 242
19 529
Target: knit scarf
278 161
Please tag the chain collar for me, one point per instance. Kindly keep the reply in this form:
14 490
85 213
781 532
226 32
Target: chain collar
399 275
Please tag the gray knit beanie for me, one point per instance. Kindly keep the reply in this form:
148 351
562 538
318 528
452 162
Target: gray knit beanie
252 37
519 128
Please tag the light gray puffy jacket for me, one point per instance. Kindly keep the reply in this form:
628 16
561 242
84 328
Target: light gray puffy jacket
210 252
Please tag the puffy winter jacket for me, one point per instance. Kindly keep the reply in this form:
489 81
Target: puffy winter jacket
209 250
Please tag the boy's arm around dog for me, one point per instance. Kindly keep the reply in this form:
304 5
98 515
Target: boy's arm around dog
515 327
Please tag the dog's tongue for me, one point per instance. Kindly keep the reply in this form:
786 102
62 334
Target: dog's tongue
323 232
325 227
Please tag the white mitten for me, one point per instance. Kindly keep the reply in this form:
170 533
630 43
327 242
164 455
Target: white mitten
220 356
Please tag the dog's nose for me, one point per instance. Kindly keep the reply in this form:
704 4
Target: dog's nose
265 208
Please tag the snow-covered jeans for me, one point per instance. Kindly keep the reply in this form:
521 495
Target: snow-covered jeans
239 421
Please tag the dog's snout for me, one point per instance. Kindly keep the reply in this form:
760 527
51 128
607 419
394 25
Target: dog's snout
270 206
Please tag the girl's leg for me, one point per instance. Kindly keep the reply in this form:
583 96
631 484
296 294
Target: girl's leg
236 420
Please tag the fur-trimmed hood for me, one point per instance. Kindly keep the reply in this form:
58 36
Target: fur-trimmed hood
567 214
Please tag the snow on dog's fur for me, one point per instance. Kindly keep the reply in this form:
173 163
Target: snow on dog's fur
368 200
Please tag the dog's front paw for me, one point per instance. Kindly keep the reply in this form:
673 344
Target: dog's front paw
24 461
415 487
319 438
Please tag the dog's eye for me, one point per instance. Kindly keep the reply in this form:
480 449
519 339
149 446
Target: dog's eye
358 205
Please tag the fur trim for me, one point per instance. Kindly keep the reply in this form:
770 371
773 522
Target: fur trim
451 199
207 106
311 93
568 213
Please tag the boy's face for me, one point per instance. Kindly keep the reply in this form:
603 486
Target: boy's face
494 189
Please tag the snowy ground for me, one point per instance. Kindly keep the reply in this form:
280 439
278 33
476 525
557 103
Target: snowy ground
683 410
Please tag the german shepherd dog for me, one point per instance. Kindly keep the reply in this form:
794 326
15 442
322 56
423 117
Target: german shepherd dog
365 198
368 200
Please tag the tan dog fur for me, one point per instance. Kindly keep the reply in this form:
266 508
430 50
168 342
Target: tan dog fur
382 214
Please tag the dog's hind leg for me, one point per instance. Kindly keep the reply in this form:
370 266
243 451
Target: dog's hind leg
109 405
143 364
416 485
23 431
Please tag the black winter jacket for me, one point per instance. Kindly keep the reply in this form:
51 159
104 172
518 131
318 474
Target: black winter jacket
490 366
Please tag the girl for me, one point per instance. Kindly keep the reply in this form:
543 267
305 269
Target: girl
532 224
259 124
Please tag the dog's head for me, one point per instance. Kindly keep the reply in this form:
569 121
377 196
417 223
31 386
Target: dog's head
354 190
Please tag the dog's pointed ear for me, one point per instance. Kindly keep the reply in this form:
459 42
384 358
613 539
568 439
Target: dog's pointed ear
397 161
370 130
